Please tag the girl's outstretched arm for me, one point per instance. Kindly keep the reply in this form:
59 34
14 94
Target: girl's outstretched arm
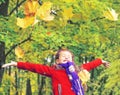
37 68
94 64
12 63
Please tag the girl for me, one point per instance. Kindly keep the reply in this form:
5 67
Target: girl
65 80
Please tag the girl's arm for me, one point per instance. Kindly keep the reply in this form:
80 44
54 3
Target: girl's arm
37 68
12 63
94 64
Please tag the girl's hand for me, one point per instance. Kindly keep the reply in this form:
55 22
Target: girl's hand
12 63
106 63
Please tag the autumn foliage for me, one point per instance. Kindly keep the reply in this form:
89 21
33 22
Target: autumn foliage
33 30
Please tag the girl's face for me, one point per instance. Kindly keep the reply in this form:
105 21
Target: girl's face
64 57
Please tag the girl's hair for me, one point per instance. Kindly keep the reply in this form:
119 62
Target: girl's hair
60 50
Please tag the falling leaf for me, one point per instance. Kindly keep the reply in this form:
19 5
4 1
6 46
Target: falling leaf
31 7
19 52
44 12
25 22
30 11
84 76
111 15
67 13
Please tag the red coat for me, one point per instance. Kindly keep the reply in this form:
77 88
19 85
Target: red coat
60 82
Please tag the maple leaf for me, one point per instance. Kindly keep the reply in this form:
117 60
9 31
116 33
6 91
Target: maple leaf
110 14
19 52
31 7
44 12
84 76
30 11
67 13
25 22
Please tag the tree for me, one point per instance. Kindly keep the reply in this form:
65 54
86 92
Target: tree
87 28
2 59
4 8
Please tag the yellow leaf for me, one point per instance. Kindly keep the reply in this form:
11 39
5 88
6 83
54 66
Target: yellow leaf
84 75
25 22
30 11
19 52
111 15
44 12
67 13
31 7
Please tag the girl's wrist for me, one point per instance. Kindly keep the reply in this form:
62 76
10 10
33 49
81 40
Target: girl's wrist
13 63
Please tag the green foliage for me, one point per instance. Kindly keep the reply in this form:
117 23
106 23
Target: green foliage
87 34
109 81
2 1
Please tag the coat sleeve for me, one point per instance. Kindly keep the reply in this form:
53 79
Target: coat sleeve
37 68
91 65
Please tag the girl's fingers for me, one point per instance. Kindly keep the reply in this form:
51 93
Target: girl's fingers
6 65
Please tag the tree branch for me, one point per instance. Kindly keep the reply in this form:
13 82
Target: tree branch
27 39
98 18
17 5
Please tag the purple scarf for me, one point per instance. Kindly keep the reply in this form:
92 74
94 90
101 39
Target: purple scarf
73 77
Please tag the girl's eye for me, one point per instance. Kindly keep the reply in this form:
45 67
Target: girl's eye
62 56
69 56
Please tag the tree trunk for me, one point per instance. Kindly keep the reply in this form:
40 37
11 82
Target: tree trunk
16 83
41 85
4 8
28 89
2 59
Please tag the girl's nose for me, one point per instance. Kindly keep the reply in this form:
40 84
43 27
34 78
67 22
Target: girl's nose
66 57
